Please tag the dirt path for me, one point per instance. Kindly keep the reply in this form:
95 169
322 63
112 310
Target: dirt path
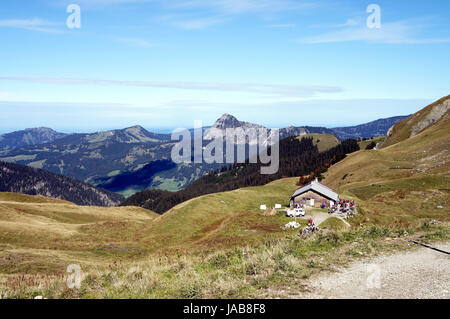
422 273
320 217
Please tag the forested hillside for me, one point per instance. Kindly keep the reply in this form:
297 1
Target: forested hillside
16 178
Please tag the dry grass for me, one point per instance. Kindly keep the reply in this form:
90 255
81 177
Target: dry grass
241 272
238 255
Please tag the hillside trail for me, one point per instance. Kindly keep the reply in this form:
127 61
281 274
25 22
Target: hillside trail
320 217
317 217
417 274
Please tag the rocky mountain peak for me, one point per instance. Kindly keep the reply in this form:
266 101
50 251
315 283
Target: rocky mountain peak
136 129
40 129
227 121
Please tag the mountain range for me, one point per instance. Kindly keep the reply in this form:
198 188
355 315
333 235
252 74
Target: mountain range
87 157
133 159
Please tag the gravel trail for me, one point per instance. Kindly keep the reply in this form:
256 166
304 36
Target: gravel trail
422 273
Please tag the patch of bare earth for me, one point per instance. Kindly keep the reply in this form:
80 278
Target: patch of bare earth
422 273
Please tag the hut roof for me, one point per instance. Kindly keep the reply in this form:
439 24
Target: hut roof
319 188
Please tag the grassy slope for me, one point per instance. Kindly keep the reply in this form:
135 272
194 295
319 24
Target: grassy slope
323 141
224 219
402 130
32 227
334 223
39 238
402 183
15 197
39 234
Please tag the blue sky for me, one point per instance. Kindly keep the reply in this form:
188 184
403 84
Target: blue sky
164 63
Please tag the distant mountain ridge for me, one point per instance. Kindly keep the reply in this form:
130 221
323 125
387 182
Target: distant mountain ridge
371 129
131 135
90 156
16 178
131 159
29 136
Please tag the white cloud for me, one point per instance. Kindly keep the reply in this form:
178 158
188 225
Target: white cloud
348 23
9 96
285 25
30 24
212 12
393 33
137 42
199 23
242 6
255 88
273 114
100 3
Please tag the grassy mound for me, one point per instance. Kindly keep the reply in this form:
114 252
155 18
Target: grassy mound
223 219
334 223
324 142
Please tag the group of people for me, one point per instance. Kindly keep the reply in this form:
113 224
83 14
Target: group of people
343 206
310 229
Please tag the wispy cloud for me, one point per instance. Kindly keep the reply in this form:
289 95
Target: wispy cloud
193 23
274 114
100 3
8 96
30 24
256 88
213 12
348 23
285 25
137 42
393 33
243 6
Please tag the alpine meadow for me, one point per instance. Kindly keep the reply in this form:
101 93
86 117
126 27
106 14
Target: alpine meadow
210 157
